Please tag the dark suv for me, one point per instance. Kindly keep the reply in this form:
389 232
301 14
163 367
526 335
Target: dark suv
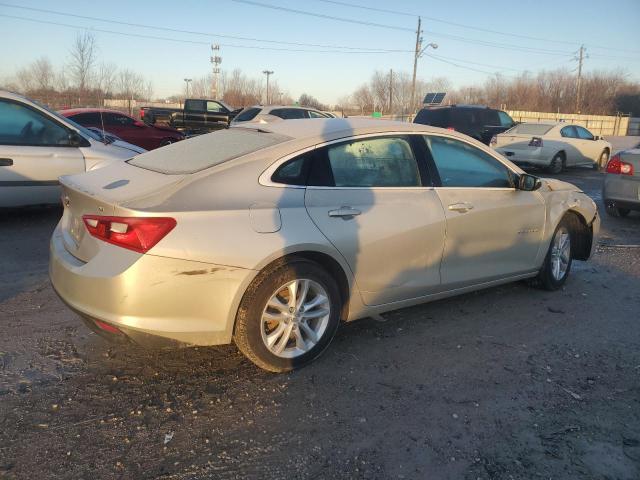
478 122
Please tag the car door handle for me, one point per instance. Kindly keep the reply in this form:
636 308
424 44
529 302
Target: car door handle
460 207
6 162
344 212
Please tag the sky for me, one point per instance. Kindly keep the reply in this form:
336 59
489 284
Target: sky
475 39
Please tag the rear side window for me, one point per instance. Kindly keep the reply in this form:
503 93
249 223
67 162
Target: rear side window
467 117
436 118
247 114
569 132
462 165
373 162
294 171
206 151
289 113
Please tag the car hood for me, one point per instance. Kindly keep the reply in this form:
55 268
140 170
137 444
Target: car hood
100 154
555 185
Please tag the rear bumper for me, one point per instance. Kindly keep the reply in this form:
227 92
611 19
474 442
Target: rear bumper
145 296
621 191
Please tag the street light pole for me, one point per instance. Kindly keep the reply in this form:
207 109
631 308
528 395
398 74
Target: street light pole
186 81
417 54
268 73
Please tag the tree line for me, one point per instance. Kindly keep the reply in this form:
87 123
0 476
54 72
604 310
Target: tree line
602 93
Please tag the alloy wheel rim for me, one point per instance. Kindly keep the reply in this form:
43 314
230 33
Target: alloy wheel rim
295 318
560 253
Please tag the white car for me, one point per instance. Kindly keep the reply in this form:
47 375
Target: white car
37 146
267 113
552 145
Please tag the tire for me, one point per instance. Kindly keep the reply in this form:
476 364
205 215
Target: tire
557 263
602 160
615 211
557 164
165 142
273 337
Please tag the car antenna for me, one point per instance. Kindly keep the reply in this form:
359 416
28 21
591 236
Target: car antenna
104 134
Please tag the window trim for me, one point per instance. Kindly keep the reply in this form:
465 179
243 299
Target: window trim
265 177
44 114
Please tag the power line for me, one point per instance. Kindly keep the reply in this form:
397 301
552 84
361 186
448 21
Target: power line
471 27
321 15
193 32
194 42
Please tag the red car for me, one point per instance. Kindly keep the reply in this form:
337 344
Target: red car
127 128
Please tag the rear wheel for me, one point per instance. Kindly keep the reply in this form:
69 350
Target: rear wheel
557 263
557 164
615 211
288 316
602 160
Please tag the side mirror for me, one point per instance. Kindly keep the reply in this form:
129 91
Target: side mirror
597 137
529 183
77 140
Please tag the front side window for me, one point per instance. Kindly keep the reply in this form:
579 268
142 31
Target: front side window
20 125
584 134
314 114
569 132
195 105
462 165
215 107
88 118
373 162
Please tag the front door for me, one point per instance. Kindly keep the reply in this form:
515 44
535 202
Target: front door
373 207
34 152
493 230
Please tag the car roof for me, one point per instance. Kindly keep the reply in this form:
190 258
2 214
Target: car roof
75 111
327 129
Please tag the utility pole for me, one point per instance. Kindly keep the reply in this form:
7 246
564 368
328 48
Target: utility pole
415 64
268 73
215 61
579 82
391 91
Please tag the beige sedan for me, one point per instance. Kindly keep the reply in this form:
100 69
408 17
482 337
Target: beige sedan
270 235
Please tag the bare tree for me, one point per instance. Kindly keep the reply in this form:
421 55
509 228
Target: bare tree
82 61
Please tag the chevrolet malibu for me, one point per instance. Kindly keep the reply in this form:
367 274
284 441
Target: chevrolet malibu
270 235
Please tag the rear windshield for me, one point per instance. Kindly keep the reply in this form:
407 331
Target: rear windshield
435 118
531 128
204 151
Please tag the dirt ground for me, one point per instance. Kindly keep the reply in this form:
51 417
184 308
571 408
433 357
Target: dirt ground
507 383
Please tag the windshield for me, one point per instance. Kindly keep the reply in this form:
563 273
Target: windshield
206 151
531 128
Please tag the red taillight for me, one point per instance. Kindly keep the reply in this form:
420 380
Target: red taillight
451 128
619 167
536 142
107 327
494 141
139 234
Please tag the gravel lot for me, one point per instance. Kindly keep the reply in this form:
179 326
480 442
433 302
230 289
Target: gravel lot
507 383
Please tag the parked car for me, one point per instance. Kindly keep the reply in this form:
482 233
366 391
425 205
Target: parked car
553 146
271 234
197 116
621 189
125 126
479 122
37 146
258 112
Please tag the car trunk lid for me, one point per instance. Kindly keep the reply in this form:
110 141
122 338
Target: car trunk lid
102 192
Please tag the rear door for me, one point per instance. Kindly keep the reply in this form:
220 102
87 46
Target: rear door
34 152
369 197
493 230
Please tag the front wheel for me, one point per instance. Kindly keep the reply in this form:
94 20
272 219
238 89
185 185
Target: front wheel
557 263
288 316
602 160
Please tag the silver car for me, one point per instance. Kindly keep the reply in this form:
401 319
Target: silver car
270 235
267 113
621 189
38 145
